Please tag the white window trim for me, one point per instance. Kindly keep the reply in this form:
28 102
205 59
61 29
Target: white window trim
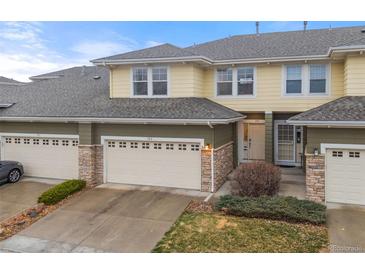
235 83
150 82
306 81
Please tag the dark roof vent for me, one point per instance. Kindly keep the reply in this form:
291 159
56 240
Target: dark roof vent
96 77
363 31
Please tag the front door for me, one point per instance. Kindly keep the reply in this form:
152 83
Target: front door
256 142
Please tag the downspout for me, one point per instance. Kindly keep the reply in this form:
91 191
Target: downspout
212 167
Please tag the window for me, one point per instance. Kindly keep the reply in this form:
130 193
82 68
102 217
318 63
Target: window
122 144
159 81
354 154
182 146
8 140
169 146
75 143
111 144
150 81
157 146
140 83
17 140
294 79
35 141
145 145
317 78
65 143
337 153
26 141
245 81
45 142
55 142
134 145
195 147
224 81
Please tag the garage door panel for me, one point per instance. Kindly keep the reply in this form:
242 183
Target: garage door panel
345 176
44 157
168 164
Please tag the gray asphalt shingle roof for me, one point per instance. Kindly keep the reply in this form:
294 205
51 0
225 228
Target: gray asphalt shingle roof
160 51
265 45
80 95
8 81
348 108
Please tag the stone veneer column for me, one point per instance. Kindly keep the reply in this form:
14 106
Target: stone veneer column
206 173
315 177
91 164
223 165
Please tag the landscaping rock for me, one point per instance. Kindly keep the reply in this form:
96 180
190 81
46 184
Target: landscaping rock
33 213
2 232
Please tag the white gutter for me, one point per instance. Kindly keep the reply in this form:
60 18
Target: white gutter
124 120
328 123
345 49
152 60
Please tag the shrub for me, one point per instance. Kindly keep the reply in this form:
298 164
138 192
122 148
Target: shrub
257 179
277 208
59 192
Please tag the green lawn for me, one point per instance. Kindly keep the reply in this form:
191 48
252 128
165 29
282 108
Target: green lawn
214 232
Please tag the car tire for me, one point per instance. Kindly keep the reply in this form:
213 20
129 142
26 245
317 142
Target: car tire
14 175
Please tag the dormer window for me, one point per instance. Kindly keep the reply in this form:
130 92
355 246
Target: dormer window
150 81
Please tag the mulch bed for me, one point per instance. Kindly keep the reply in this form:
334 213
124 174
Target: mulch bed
200 207
22 220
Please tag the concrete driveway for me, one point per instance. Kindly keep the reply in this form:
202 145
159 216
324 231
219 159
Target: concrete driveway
103 220
17 197
346 228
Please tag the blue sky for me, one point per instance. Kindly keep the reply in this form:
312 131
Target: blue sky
31 48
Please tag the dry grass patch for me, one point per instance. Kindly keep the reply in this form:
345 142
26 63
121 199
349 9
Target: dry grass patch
214 232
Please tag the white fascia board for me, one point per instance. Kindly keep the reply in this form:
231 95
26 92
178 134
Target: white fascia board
271 59
152 60
124 120
345 49
328 123
340 146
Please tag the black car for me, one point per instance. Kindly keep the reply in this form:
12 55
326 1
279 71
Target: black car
10 171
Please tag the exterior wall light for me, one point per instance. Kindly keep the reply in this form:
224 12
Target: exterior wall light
316 152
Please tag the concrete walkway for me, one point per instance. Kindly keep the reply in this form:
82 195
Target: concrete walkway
346 228
292 182
17 197
103 220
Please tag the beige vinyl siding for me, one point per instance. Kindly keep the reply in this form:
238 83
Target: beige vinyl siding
182 80
39 128
269 89
120 81
354 79
316 136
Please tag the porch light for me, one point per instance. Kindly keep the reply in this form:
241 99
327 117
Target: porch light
208 146
316 151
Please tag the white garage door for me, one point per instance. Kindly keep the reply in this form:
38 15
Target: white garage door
168 164
345 176
43 157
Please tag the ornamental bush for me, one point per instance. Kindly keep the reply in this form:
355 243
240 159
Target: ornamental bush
257 179
61 191
276 208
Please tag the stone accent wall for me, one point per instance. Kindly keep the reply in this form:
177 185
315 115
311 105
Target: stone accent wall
223 165
315 178
206 172
91 164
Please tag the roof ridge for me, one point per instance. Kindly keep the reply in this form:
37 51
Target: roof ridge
270 33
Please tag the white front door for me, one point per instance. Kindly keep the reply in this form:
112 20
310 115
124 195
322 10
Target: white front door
345 173
47 157
155 163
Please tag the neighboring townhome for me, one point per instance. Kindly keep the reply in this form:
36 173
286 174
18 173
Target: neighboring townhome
9 81
184 117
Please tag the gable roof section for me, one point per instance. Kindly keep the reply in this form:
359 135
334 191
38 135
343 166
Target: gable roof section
156 52
80 97
309 43
78 70
8 81
345 110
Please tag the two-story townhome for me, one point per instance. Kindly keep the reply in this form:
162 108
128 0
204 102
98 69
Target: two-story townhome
184 117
